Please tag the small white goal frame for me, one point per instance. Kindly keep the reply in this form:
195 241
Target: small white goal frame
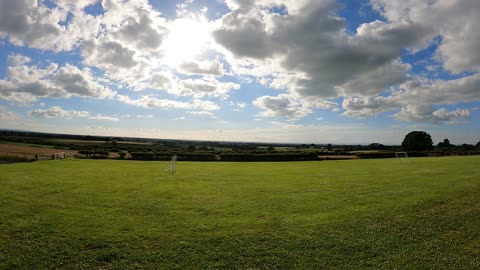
172 165
401 156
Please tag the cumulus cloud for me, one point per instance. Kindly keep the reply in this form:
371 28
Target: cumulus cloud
108 54
17 59
306 50
366 107
213 67
285 105
34 24
425 113
134 23
204 87
197 88
313 45
58 112
281 106
418 94
24 83
458 48
129 46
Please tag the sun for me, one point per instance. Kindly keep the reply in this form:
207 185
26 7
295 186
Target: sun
188 37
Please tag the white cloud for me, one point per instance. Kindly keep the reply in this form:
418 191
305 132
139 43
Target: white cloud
134 23
201 113
147 116
417 93
101 117
17 59
367 107
108 54
288 106
162 80
58 112
33 24
24 84
213 67
182 8
153 102
314 54
425 113
281 106
206 86
453 20
238 106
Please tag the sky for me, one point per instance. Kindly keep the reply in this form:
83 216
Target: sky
293 71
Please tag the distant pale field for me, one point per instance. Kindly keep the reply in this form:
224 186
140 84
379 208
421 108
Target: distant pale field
26 149
85 142
355 214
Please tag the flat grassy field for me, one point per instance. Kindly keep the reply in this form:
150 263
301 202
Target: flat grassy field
355 214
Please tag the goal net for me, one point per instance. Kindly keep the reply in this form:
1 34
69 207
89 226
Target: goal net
172 166
401 156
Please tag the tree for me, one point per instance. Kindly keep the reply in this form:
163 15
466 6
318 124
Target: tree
467 147
329 147
478 145
376 146
417 141
444 144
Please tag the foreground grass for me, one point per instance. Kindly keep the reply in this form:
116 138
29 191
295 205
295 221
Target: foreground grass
368 214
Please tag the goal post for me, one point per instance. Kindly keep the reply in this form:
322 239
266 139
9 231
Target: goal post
401 156
172 166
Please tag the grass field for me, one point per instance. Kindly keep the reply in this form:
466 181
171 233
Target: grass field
357 214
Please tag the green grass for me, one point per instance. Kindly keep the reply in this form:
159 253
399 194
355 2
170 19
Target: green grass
358 214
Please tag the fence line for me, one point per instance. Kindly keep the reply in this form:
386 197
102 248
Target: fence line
29 156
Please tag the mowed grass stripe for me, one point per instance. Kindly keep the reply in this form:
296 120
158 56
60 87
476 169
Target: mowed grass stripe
419 214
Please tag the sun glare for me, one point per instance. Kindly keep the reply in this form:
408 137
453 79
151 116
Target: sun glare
188 38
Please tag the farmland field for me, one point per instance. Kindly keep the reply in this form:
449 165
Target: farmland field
355 214
29 149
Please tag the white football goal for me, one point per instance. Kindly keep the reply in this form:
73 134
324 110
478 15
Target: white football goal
401 156
172 166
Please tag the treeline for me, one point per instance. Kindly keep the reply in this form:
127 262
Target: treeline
236 157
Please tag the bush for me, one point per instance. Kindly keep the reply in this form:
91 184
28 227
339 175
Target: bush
96 154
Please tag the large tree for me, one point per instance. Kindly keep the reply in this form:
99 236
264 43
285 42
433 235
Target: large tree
417 141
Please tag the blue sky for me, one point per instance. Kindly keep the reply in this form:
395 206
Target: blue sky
304 71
